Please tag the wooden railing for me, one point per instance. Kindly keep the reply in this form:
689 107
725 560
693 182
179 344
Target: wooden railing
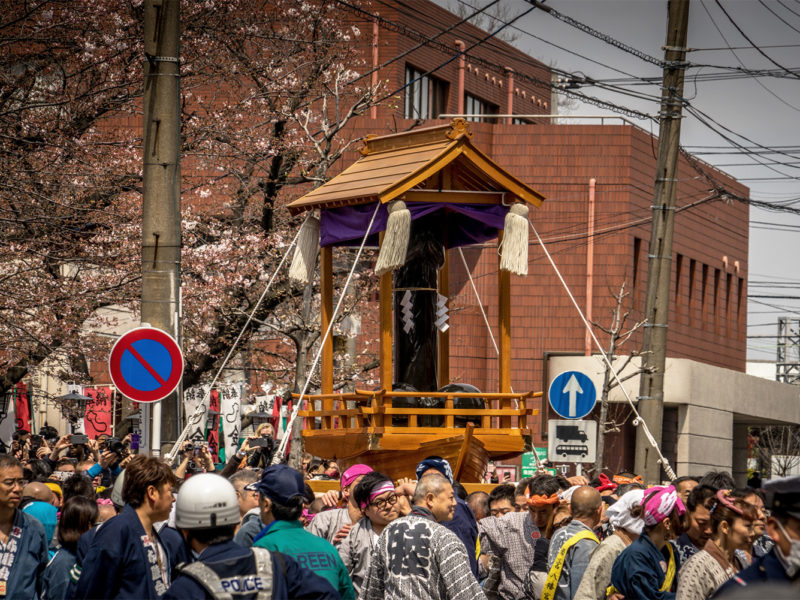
374 409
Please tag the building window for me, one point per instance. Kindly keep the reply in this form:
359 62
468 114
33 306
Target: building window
426 96
476 106
678 289
703 292
690 302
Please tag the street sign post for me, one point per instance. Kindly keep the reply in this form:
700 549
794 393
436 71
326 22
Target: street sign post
572 441
572 395
146 364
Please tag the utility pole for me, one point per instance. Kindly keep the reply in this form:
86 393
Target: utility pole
659 271
161 221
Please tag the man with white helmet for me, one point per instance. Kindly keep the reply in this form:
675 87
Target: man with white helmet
207 513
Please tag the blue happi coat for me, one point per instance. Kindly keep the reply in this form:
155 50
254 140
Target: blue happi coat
639 571
30 560
116 564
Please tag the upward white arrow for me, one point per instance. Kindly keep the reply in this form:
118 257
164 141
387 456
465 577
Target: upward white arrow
573 388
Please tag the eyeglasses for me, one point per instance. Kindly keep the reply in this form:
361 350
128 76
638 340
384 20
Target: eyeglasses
384 503
12 483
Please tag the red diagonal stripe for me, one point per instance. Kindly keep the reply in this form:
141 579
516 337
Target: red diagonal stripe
146 365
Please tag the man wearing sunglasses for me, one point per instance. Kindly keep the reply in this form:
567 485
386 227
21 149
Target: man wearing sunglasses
375 495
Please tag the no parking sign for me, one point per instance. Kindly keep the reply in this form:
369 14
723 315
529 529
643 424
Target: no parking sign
146 364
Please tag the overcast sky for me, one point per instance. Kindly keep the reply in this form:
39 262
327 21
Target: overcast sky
758 111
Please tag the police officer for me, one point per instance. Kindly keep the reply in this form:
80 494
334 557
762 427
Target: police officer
207 513
781 565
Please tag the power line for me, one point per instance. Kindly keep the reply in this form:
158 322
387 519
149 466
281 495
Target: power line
744 35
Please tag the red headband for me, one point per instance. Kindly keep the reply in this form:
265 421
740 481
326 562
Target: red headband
621 479
541 500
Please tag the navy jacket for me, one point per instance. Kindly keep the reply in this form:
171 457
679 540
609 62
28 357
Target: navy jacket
465 526
116 564
639 571
232 562
56 577
24 581
765 569
175 544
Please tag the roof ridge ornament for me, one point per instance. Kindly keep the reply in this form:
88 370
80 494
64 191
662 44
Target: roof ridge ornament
459 128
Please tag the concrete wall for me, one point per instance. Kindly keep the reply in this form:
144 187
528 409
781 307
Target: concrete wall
715 408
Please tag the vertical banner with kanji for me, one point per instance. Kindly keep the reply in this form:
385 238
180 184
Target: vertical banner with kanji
213 431
193 398
97 419
230 411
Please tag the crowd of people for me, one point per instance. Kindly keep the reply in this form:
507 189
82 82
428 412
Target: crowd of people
82 518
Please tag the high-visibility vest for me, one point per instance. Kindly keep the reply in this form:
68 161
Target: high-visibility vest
554 575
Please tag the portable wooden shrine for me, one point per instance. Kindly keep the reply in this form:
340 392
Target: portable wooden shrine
415 195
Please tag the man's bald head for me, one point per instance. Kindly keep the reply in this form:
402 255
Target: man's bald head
38 491
585 503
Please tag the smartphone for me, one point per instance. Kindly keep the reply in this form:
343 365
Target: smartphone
135 440
78 438
261 442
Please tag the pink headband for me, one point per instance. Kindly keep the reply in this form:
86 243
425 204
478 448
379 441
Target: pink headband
353 473
382 488
659 504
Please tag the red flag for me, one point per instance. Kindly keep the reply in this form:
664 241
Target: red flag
23 410
276 414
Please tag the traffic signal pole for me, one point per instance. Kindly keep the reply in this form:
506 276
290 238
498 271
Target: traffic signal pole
651 389
161 220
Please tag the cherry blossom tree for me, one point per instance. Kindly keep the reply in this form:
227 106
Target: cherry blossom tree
269 92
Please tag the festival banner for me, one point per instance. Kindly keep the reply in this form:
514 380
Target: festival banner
213 430
192 399
23 409
231 418
99 411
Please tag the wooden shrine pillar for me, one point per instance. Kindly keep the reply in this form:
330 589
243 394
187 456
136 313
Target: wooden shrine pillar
504 328
444 336
326 314
386 324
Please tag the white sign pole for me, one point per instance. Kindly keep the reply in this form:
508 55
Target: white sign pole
155 446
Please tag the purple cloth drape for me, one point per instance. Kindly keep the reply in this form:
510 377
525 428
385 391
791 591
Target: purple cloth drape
461 224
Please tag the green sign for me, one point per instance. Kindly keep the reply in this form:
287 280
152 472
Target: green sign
529 462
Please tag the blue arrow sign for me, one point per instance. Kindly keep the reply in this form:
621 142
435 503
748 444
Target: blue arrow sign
572 395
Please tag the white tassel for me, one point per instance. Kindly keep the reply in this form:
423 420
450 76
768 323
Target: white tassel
305 252
514 248
395 242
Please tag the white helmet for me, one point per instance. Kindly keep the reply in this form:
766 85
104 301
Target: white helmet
206 500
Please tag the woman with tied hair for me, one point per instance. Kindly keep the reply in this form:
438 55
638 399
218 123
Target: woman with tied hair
597 577
647 569
376 497
731 529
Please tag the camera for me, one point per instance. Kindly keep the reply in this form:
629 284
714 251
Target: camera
263 442
78 438
114 444
189 447
36 443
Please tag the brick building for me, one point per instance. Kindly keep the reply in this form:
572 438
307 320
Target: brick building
598 183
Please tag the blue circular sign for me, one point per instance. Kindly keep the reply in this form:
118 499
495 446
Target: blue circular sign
146 364
572 395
